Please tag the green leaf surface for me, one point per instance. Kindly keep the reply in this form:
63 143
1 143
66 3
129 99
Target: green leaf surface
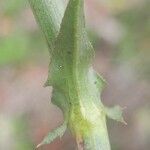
71 74
115 113
58 132
70 71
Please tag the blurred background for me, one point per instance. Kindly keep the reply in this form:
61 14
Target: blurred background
120 33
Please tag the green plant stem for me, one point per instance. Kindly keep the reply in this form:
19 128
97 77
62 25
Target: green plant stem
48 14
91 133
76 86
96 138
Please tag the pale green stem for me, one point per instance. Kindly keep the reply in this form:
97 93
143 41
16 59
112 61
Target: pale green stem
48 14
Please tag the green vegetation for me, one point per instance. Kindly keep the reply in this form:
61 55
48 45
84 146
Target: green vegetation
22 46
76 86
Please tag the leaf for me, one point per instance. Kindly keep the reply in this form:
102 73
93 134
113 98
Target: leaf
58 132
59 100
70 67
115 113
101 82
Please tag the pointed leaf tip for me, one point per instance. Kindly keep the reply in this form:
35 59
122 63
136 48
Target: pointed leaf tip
115 113
58 132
